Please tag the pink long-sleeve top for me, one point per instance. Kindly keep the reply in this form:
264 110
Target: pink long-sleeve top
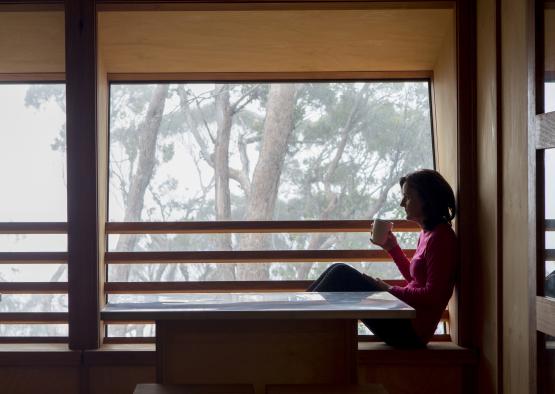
430 277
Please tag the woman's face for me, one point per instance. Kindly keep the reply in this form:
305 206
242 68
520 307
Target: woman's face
412 204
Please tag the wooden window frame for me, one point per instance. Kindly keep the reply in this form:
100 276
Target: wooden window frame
81 86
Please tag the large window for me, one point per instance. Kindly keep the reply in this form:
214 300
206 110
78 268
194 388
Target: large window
263 152
33 243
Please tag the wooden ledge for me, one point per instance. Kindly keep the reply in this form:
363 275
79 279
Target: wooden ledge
39 354
121 354
436 353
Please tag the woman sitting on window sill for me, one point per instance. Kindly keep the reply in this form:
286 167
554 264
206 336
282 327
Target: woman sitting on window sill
429 201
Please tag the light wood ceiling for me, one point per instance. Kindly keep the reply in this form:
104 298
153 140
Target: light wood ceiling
272 41
32 42
234 41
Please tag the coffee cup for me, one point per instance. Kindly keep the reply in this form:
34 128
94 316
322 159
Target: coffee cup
380 229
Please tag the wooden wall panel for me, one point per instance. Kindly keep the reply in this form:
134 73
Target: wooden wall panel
32 42
514 210
272 41
445 124
445 108
487 227
416 380
39 379
119 379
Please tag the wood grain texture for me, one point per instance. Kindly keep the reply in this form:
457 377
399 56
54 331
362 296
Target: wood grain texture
545 131
488 284
31 42
81 142
545 315
288 40
263 352
273 76
515 163
248 256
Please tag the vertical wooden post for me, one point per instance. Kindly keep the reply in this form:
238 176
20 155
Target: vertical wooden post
466 124
80 17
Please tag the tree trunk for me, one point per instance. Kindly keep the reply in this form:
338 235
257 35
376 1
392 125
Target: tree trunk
145 168
221 175
278 126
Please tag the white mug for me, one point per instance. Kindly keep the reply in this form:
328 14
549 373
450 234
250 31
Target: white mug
380 229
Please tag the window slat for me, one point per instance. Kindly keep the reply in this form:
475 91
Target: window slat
216 286
263 256
33 258
33 228
33 317
296 226
33 287
23 339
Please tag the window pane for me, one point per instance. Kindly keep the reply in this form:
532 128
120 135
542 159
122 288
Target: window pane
32 153
131 330
33 303
34 330
33 243
264 151
33 273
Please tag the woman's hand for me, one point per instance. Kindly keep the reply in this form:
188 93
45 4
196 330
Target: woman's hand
389 243
379 284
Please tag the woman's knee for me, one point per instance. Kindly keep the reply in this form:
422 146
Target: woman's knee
342 268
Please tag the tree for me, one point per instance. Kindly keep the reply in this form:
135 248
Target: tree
257 151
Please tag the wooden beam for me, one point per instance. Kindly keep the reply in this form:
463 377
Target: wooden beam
467 168
33 257
33 227
545 130
545 315
83 271
257 5
297 226
32 77
212 287
33 287
247 256
273 76
33 317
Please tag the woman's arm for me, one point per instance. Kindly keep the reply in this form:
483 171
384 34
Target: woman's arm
440 261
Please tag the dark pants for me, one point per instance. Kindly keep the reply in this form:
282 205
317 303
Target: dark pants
342 277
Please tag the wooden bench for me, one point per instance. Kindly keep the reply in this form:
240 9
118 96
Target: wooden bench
441 367
152 388
325 389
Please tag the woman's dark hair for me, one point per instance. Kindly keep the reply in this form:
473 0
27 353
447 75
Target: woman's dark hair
438 199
